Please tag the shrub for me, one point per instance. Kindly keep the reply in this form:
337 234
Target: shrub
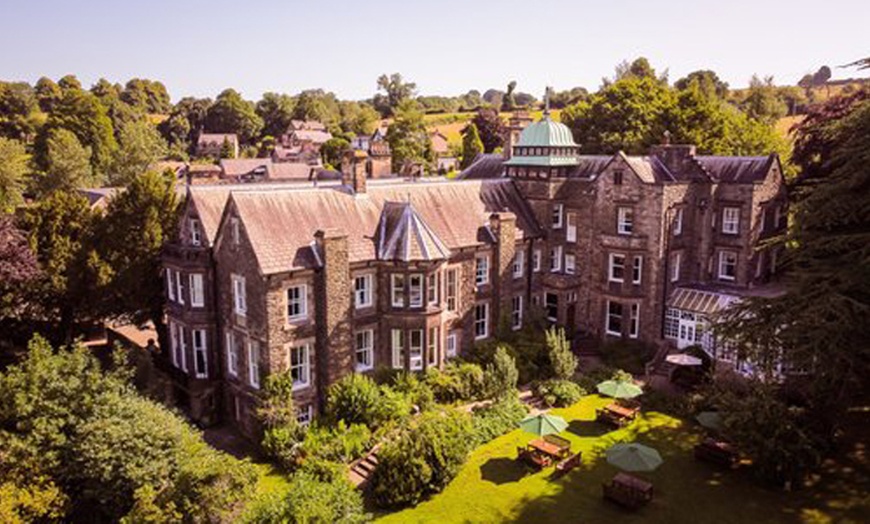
310 499
459 381
341 443
497 419
471 380
559 393
562 361
425 456
528 347
282 434
393 405
418 391
501 375
354 399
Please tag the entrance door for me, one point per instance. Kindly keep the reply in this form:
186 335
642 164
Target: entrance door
686 336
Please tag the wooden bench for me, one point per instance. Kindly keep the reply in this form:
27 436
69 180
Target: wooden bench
616 415
569 463
536 460
564 445
628 491
716 452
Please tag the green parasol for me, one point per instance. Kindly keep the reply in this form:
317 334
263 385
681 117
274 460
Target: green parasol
619 389
710 420
543 424
633 457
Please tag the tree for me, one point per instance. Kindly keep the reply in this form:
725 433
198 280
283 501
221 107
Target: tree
491 128
471 145
13 169
707 81
48 94
69 83
332 150
355 400
408 137
18 266
282 433
563 99
233 114
310 499
315 104
819 323
60 230
148 96
189 113
276 110
501 375
81 113
763 102
508 102
67 164
424 457
137 223
141 146
18 106
822 76
562 360
396 92
358 118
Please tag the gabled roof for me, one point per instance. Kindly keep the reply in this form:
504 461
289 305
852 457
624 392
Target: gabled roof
312 135
281 223
737 169
217 138
590 166
484 166
648 168
404 236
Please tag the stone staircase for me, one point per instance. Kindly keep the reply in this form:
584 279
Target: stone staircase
360 471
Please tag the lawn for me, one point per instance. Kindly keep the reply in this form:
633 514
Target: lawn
493 487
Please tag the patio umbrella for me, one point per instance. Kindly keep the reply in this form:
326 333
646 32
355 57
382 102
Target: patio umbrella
619 389
633 457
710 420
682 359
543 424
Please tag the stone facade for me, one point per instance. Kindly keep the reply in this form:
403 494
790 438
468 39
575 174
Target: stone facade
323 281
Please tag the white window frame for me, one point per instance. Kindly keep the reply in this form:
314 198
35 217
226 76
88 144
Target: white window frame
731 220
517 312
611 266
170 284
363 297
432 289
433 344
254 363
678 222
624 220
240 299
304 365
675 266
451 346
637 269
552 318
397 290
195 232
536 261
200 348
722 259
415 291
232 354
304 415
179 287
634 320
415 348
481 270
173 343
397 348
300 303
608 315
197 290
571 229
481 322
570 264
364 346
451 289
519 264
182 347
556 259
558 214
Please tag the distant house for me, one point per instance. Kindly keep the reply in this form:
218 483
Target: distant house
301 142
441 148
99 197
378 163
264 169
212 144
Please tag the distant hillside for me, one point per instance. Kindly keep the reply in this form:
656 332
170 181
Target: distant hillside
452 124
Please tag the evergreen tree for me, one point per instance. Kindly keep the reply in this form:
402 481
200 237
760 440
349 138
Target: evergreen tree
502 375
491 129
13 169
471 145
408 138
562 360
67 164
141 147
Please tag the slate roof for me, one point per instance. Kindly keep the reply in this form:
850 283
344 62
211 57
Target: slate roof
212 138
737 169
403 235
484 166
281 224
702 301
312 135
590 166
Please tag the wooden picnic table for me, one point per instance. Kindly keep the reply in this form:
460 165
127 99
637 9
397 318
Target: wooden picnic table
547 448
632 482
621 411
628 490
717 452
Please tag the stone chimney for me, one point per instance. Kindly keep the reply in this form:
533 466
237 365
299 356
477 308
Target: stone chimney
334 349
504 228
353 170
673 156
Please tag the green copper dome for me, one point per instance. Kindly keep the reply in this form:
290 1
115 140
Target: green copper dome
546 133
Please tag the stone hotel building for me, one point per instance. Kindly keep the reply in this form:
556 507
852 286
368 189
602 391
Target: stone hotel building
329 279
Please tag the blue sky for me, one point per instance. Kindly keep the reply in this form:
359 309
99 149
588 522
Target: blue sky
199 47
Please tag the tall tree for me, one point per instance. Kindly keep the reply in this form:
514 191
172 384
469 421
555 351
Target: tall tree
18 266
471 145
13 169
820 323
67 164
233 114
408 137
140 147
491 128
48 93
276 110
18 106
149 96
358 118
396 91
763 102
708 82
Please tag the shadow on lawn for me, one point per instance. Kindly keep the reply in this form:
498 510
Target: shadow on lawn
588 428
502 470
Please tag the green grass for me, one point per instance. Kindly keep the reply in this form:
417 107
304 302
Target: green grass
493 487
271 480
